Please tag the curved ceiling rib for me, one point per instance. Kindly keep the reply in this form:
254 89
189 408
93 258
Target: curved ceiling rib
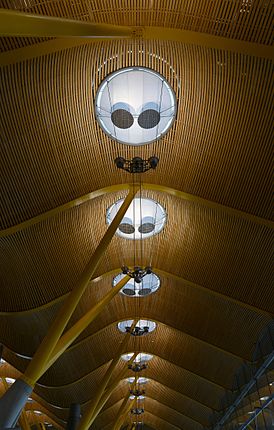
214 181
147 317
159 404
157 271
89 337
9 373
107 411
122 187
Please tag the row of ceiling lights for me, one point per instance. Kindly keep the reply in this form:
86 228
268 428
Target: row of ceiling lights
136 106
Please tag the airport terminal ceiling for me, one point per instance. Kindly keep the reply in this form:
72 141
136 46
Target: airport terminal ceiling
209 238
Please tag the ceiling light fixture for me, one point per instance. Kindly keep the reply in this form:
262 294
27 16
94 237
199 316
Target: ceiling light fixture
142 327
149 284
137 411
137 164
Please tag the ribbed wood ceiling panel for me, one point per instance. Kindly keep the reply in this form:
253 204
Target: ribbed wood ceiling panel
219 148
220 151
249 20
211 249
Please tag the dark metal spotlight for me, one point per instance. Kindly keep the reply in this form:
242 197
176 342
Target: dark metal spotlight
137 393
137 273
137 331
137 411
153 161
137 164
137 367
120 162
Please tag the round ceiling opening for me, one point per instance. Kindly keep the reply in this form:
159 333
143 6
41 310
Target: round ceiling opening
144 218
135 106
142 357
148 285
141 328
140 380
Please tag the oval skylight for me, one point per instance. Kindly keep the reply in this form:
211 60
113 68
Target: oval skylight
142 357
148 325
144 218
137 398
135 106
140 380
149 284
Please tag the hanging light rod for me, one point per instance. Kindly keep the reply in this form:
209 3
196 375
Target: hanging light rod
137 164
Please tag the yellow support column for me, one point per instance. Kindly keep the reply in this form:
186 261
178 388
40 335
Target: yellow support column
69 337
90 416
109 373
23 421
121 411
17 23
122 418
44 352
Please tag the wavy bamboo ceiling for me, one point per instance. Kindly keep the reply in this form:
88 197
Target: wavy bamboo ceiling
215 254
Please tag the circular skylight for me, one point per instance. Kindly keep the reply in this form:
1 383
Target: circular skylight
149 284
140 380
135 106
137 398
144 218
149 326
142 357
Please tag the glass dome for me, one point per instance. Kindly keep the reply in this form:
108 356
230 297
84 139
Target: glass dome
142 357
135 106
150 325
144 218
149 284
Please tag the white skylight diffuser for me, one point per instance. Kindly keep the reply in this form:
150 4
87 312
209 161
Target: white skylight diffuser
144 218
151 325
142 357
10 380
135 106
138 398
149 284
140 380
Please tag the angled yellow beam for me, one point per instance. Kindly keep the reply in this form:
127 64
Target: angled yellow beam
14 23
207 40
43 354
70 335
23 421
123 187
123 414
159 33
121 411
90 414
109 373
